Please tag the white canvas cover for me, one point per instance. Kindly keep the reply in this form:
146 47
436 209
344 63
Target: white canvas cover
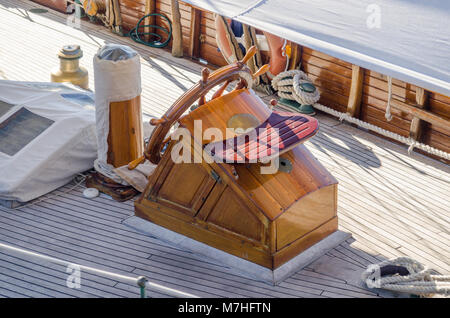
117 73
53 140
406 39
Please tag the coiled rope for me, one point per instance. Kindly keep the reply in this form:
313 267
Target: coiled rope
136 35
288 84
420 281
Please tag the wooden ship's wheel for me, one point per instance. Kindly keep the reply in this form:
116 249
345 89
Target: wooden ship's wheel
226 202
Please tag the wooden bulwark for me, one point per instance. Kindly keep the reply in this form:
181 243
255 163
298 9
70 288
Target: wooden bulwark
343 86
422 114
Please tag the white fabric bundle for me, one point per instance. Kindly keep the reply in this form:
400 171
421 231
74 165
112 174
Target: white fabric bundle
117 73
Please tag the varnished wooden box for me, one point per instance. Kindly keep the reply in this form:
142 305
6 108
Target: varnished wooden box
266 219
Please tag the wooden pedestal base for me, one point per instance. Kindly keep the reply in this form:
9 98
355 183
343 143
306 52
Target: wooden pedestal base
265 219
237 265
104 184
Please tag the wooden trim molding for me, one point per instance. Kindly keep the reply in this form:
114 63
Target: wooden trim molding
415 129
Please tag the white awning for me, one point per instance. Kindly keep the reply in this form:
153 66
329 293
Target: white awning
406 39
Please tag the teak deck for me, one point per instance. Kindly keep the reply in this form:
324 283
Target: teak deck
392 203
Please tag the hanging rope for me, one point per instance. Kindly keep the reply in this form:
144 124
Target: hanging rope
405 140
407 276
285 54
288 84
388 106
137 35
412 145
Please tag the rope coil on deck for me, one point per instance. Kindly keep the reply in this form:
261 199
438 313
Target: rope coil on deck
420 281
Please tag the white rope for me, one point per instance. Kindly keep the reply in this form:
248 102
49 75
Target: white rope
288 85
420 281
284 54
247 77
412 146
405 140
388 114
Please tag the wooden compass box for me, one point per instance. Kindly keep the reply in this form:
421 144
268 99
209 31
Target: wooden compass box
266 219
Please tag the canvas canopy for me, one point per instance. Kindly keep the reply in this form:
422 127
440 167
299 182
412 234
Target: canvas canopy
406 39
47 136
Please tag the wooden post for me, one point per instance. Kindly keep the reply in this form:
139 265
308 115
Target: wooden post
296 56
194 41
150 7
356 89
416 125
177 35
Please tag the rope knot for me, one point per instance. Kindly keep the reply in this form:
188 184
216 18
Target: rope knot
412 144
